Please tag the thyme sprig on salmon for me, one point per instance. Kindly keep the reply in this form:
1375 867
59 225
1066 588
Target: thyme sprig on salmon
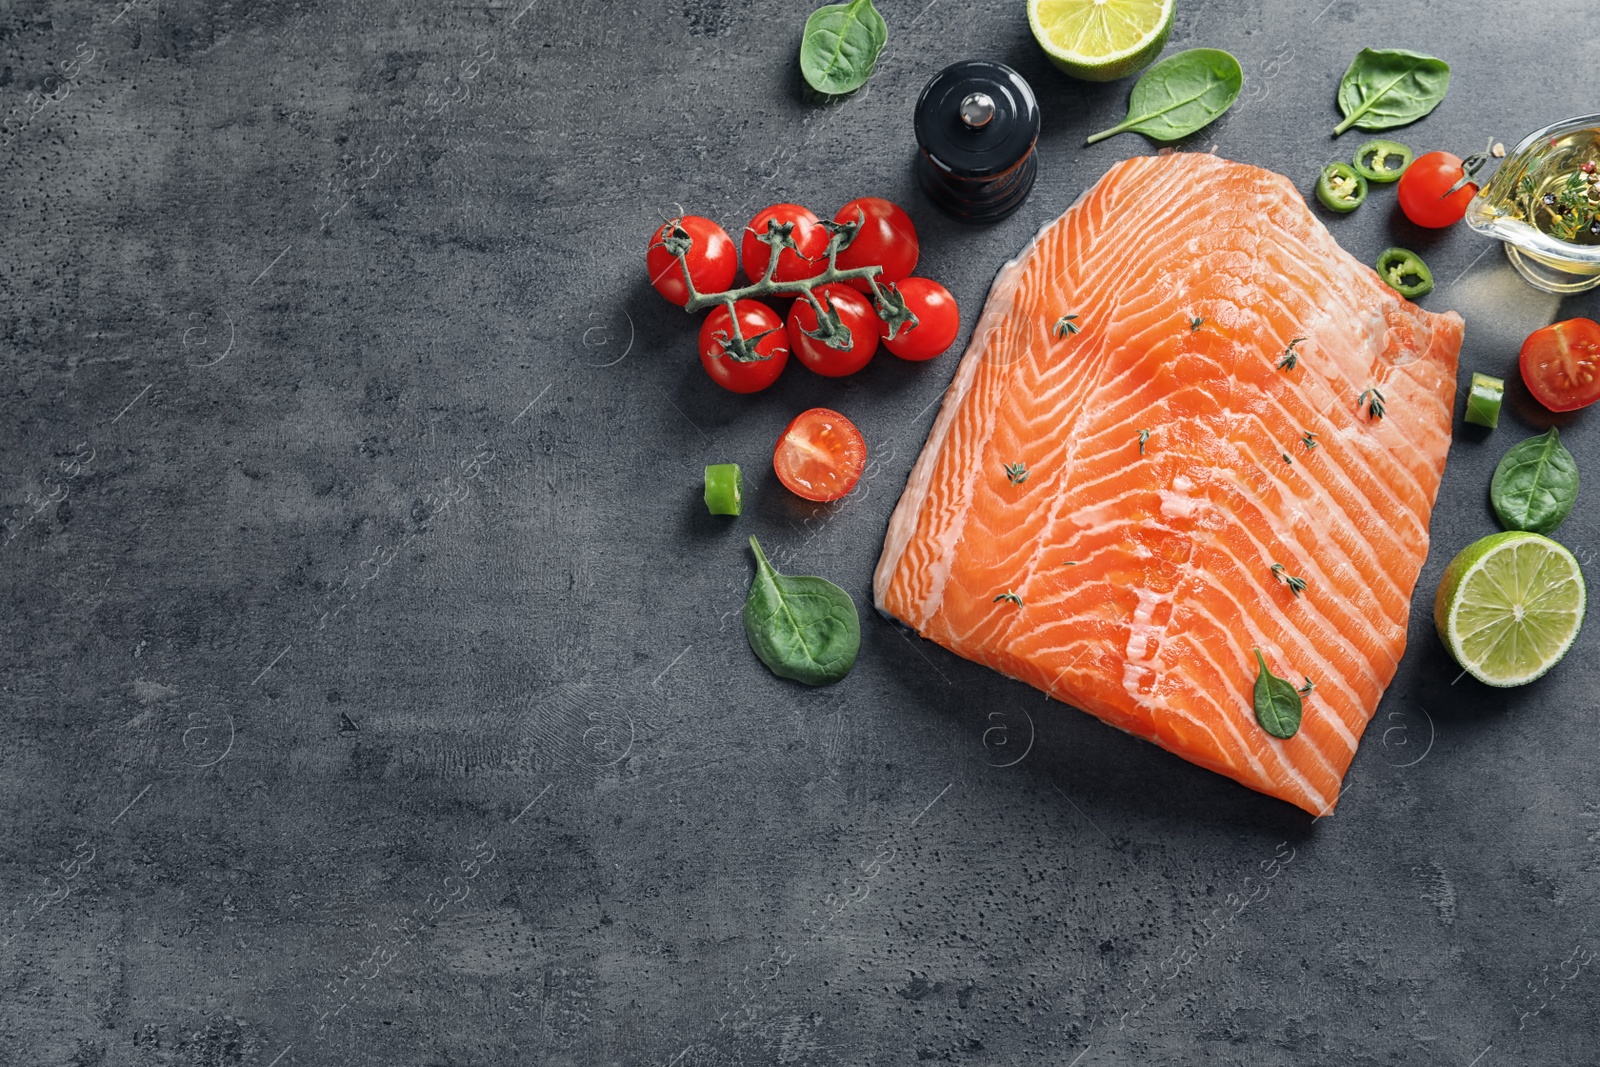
1296 585
1291 358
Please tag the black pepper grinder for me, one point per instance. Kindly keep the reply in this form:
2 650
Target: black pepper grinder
977 123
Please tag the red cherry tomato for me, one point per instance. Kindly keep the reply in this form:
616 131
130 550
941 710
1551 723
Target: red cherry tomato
938 321
820 456
810 239
855 314
763 337
886 239
1423 187
1561 364
712 258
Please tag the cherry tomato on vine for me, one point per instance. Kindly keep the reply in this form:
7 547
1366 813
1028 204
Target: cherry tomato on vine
752 363
807 259
938 320
712 258
820 456
854 313
1425 194
886 238
1561 364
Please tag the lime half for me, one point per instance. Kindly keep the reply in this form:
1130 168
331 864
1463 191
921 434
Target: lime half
1101 40
1509 606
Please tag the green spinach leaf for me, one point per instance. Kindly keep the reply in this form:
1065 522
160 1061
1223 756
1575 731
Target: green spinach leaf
802 628
1535 485
1390 87
1181 94
1278 705
841 45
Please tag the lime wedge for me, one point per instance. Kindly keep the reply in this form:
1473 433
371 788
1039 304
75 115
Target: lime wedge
1509 606
1101 40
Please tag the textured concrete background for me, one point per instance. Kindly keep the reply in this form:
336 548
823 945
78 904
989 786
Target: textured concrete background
373 684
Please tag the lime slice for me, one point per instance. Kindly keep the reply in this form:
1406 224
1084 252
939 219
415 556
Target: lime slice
1509 606
1101 40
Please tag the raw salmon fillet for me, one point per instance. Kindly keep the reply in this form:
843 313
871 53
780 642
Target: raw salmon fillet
1145 571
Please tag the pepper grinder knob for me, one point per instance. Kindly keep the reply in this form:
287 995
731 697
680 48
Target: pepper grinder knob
977 109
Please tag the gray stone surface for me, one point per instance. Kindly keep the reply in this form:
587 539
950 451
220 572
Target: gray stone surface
299 768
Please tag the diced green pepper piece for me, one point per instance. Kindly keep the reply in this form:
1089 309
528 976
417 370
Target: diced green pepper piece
1483 401
724 489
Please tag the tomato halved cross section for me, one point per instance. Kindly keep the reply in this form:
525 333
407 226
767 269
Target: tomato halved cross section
1561 364
820 456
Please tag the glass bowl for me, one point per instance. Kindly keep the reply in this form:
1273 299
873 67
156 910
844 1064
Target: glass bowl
1543 159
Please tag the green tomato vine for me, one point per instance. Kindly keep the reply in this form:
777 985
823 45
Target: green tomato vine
831 331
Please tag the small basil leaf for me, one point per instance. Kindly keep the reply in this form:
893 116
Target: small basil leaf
841 45
1278 706
802 628
1181 94
1390 87
1535 485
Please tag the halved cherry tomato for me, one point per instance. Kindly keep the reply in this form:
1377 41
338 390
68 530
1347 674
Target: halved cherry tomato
754 360
852 325
1425 194
938 321
885 238
1561 364
711 256
807 259
820 456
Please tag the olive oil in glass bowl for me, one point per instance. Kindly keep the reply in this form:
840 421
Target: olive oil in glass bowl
1544 203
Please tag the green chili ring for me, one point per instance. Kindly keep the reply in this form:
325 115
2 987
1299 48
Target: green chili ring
1405 272
1340 188
1372 160
724 489
1483 401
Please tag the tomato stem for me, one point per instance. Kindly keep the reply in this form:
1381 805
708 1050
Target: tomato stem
778 238
739 348
816 306
1469 170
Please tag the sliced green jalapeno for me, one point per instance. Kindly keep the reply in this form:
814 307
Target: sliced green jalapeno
724 489
1405 272
1340 188
1483 402
1383 161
